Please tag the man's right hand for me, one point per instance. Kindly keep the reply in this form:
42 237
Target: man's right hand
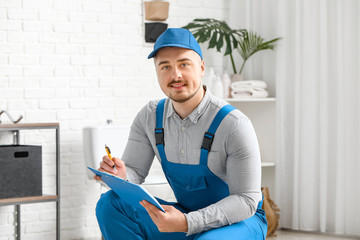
106 165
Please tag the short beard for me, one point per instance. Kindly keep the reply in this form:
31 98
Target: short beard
185 99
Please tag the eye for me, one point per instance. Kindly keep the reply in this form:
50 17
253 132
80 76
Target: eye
184 65
165 67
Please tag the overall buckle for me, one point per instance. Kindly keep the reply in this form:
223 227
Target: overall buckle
207 141
159 136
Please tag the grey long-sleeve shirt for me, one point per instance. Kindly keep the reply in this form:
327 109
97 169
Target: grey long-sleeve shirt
234 157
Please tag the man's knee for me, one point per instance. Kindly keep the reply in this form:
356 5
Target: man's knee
105 205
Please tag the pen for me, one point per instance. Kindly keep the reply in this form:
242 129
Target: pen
109 153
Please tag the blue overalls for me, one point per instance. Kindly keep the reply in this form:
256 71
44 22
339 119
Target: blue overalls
194 186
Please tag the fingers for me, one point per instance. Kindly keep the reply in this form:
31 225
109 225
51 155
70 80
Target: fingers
171 221
114 166
106 165
167 207
154 213
150 208
108 161
96 177
120 167
118 162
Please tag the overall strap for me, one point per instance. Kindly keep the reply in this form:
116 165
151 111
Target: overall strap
160 113
159 129
210 134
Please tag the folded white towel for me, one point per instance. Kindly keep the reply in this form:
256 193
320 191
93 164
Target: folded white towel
249 83
249 92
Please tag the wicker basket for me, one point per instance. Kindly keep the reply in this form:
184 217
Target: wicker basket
156 11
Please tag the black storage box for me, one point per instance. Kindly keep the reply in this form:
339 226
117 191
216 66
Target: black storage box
20 171
153 30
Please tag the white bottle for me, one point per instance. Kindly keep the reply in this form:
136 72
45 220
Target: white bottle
226 84
218 88
211 78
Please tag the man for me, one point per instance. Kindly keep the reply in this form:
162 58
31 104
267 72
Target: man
209 154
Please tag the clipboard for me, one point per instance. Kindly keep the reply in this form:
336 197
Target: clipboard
129 192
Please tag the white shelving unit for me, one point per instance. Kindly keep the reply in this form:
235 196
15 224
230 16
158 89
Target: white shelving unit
262 113
267 164
235 100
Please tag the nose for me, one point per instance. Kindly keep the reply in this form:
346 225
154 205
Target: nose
176 74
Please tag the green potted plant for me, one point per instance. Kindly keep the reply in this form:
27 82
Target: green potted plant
219 35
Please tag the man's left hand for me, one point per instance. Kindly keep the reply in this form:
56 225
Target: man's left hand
172 220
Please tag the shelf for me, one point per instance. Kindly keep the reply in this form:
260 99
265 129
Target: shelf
34 199
267 164
270 99
21 126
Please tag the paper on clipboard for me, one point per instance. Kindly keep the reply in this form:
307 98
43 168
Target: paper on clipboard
130 192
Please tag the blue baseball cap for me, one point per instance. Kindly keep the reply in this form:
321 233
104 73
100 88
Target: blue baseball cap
176 37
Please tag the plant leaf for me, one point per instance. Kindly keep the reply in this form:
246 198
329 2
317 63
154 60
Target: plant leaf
220 42
252 43
218 33
228 45
213 40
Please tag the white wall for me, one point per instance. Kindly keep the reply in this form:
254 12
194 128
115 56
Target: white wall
78 62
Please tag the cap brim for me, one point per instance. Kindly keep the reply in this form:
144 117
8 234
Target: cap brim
153 53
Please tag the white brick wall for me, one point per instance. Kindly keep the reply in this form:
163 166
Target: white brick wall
78 63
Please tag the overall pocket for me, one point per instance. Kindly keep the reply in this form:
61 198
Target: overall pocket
189 183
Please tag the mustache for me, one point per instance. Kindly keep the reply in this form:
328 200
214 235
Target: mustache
176 81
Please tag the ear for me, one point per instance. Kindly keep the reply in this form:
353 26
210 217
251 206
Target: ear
202 66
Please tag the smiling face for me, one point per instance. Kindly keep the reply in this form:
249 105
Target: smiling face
179 73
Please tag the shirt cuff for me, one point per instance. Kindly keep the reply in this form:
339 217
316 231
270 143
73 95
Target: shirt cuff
132 176
195 222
